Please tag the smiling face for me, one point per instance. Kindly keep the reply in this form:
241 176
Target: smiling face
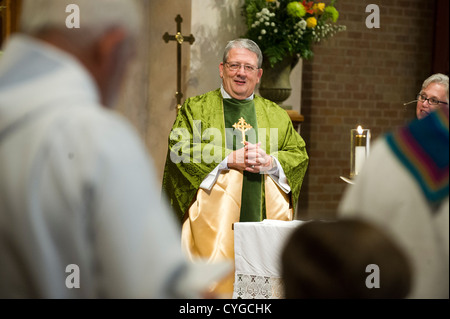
240 84
434 90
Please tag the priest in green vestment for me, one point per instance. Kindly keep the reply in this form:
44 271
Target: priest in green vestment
233 156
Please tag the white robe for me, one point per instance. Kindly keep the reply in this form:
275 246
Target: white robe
387 194
76 188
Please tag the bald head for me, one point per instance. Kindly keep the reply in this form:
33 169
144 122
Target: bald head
104 42
96 16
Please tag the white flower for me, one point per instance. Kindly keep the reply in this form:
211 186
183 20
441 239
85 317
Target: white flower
260 38
302 24
275 31
261 20
265 11
263 31
272 24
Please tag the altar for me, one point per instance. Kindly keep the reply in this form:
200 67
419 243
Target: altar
258 247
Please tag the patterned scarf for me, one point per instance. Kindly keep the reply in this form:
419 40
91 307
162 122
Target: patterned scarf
423 147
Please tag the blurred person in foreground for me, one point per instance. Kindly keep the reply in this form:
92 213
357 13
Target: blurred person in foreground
344 259
403 187
80 213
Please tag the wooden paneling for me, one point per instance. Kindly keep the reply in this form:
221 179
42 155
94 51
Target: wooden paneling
9 18
441 52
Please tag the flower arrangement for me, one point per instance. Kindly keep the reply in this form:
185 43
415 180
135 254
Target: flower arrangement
286 27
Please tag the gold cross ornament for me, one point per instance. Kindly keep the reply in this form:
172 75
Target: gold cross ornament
243 127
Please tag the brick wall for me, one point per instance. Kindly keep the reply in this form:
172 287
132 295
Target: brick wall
360 77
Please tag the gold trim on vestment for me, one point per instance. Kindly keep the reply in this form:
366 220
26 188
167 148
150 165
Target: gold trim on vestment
207 229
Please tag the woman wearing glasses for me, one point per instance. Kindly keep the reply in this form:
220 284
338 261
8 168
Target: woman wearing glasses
433 95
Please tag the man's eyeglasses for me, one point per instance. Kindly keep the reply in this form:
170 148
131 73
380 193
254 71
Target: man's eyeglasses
234 66
432 101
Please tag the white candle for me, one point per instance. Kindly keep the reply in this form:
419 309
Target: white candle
360 150
360 157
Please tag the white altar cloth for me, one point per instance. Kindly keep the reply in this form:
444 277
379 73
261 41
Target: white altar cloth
258 247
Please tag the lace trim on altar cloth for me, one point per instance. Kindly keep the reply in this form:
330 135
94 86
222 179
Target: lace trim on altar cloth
257 287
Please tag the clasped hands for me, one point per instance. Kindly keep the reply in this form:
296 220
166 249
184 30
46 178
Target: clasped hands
251 158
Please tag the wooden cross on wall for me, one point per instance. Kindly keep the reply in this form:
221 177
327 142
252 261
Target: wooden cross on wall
180 40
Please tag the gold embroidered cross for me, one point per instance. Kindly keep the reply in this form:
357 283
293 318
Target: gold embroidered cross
243 127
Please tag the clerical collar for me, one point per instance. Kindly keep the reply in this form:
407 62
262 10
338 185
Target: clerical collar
225 95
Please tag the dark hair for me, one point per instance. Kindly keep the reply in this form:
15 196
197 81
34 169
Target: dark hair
328 260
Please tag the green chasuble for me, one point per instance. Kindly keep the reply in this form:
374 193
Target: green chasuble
197 145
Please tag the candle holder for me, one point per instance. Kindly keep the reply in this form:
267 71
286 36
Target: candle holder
359 149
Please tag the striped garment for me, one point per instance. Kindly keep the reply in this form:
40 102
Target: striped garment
423 147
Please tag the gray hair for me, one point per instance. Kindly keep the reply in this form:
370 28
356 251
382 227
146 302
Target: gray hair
96 16
243 44
437 78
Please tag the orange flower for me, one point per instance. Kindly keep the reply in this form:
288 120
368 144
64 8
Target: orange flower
308 6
